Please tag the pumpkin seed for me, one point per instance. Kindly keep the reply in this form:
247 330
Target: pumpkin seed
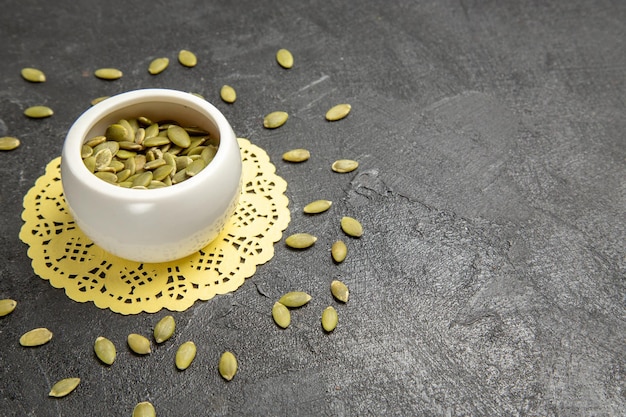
95 141
138 344
339 251
187 58
105 350
294 299
281 315
344 165
300 240
329 319
64 387
178 136
164 329
7 306
108 73
297 155
8 143
338 112
90 163
284 58
144 409
228 94
228 365
98 100
195 167
33 75
351 227
275 119
158 65
109 177
317 206
38 112
154 164
339 290
123 175
103 159
86 151
185 355
143 179
36 337
117 132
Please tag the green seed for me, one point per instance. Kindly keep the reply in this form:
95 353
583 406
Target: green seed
297 155
105 350
109 177
228 365
178 136
8 143
344 165
339 251
317 206
138 344
195 167
155 141
144 409
300 240
154 164
103 159
64 387
164 329
98 100
143 179
284 58
162 172
33 75
208 154
7 306
117 132
295 299
86 151
158 65
123 175
38 112
329 319
187 58
351 227
339 290
90 163
338 112
185 355
228 94
281 315
95 141
36 337
111 145
275 119
108 73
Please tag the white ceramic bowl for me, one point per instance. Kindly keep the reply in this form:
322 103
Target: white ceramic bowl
156 225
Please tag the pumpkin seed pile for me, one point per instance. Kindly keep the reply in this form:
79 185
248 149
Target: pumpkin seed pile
140 154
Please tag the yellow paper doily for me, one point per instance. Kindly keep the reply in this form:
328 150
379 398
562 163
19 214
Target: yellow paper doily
65 257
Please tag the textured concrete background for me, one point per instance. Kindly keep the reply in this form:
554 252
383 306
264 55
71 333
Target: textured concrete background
491 136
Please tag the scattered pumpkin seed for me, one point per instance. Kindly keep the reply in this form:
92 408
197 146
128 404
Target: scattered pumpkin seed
228 365
36 337
185 355
108 73
284 58
338 112
339 251
144 409
8 143
228 94
158 65
329 319
38 112
98 100
281 315
105 350
351 226
339 290
300 240
64 387
164 329
275 119
33 75
7 306
187 58
344 165
297 155
317 206
294 299
138 344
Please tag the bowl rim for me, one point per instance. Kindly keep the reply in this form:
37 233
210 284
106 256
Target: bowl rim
85 122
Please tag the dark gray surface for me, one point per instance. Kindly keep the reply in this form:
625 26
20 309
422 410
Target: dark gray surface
490 279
